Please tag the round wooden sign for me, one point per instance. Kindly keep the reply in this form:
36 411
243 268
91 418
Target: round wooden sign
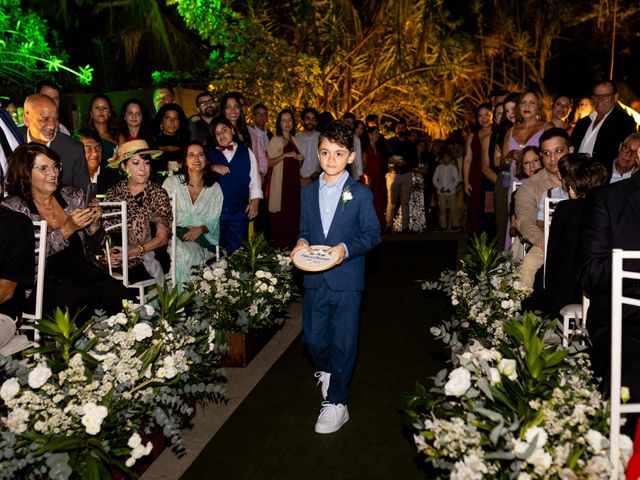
317 259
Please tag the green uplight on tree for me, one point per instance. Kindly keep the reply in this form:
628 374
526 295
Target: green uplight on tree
25 52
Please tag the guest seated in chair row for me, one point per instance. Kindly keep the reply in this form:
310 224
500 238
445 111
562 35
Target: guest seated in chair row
148 207
579 174
198 206
73 278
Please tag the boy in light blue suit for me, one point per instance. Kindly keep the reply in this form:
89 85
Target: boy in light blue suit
336 211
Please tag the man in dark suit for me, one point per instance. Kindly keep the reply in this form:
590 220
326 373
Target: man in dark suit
41 126
600 133
10 138
611 220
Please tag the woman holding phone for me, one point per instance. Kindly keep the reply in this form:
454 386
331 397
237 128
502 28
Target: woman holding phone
73 234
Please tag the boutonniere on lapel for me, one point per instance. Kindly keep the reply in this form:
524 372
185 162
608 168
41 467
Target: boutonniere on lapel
346 196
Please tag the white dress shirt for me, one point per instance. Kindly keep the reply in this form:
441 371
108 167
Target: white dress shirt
589 140
307 142
255 190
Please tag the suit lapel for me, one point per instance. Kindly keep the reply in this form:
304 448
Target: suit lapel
340 209
634 192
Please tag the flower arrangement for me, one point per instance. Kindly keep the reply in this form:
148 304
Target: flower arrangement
247 291
85 403
515 404
484 292
523 410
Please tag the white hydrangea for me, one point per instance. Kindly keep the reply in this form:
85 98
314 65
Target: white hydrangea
17 419
471 468
92 417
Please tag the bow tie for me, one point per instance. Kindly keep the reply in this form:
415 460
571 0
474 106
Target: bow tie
228 147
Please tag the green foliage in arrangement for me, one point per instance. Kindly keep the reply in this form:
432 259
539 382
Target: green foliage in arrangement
515 403
247 291
86 401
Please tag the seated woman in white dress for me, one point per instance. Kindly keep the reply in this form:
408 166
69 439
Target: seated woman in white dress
198 207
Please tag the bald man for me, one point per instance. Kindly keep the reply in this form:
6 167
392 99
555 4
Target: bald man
41 126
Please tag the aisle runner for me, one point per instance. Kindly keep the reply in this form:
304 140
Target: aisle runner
270 436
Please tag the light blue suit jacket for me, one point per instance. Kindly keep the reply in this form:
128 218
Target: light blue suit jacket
355 224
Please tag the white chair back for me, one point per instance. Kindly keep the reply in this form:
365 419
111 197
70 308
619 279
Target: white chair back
40 234
120 209
515 185
618 275
118 212
550 205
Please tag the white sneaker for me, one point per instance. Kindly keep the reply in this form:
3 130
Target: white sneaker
331 417
323 378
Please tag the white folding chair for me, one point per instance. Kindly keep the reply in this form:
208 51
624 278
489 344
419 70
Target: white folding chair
574 321
515 185
40 234
115 209
618 275
550 205
118 212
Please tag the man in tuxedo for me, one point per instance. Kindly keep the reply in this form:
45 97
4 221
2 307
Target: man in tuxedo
611 220
41 126
10 138
600 133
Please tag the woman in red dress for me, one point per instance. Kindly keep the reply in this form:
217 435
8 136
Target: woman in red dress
283 182
472 167
374 170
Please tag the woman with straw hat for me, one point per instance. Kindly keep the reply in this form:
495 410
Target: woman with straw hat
149 214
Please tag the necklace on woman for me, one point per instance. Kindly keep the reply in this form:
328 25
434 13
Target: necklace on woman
51 211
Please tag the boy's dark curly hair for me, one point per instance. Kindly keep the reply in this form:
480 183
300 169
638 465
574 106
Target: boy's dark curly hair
338 132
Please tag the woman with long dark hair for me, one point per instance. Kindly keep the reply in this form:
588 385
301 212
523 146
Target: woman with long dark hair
172 136
135 122
198 206
473 168
283 182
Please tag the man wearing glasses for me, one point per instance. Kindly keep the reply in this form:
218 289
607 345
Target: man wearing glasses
601 133
199 124
41 126
626 164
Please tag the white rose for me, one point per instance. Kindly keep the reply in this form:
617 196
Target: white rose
149 310
435 331
495 377
134 440
142 330
507 367
595 440
121 319
459 382
218 272
39 376
208 274
9 389
524 476
346 196
538 432
625 395
270 289
540 460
